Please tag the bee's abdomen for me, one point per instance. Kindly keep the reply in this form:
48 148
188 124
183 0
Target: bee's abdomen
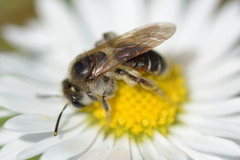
147 62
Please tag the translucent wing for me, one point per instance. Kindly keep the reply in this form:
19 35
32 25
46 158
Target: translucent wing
132 44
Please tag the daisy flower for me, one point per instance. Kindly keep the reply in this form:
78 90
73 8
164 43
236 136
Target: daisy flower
202 81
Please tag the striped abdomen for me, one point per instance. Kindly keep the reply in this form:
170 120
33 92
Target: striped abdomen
147 62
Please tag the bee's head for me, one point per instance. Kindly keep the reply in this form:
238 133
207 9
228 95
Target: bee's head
72 93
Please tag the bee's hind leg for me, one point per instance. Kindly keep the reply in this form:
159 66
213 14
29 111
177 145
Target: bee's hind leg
133 79
144 82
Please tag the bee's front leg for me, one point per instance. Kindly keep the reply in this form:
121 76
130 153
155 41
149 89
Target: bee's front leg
106 107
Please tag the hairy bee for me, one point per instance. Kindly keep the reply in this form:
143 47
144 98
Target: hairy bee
93 74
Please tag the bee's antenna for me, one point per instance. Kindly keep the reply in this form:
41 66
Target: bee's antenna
43 96
58 120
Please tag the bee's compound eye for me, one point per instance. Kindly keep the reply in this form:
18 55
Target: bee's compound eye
77 104
81 69
80 66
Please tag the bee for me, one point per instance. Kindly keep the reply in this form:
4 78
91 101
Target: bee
93 74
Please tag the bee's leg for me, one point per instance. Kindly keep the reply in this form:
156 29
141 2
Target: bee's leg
106 37
144 82
106 107
109 35
92 96
133 79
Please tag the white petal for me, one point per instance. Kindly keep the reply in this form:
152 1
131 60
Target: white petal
235 51
135 152
62 27
38 148
218 91
29 123
166 148
44 144
33 123
96 17
150 152
192 153
72 146
221 37
100 152
235 119
70 121
219 108
10 150
206 144
217 75
24 91
27 67
165 10
21 104
7 136
127 14
211 126
193 28
121 150
30 37
109 15
25 86
66 36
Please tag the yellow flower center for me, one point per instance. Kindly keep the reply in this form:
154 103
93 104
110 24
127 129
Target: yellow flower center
139 112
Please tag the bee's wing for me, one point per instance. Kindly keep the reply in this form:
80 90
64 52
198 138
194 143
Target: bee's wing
132 44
